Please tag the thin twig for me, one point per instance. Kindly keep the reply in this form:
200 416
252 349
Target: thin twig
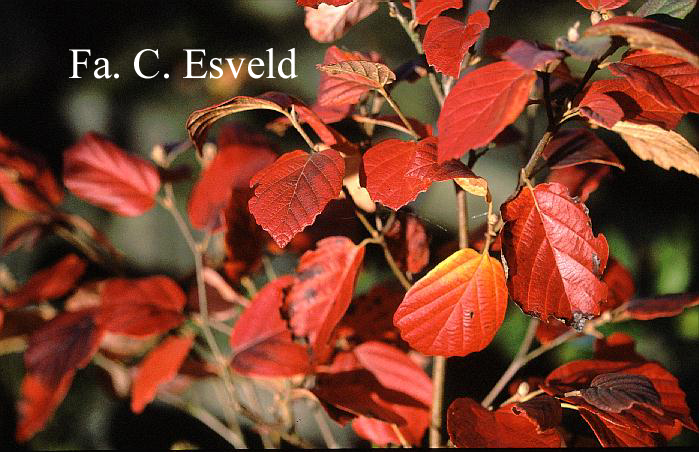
403 442
516 364
379 122
399 112
294 122
324 428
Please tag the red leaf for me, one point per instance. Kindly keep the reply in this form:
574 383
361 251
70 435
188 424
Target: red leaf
426 10
244 239
49 283
617 347
291 192
26 182
62 345
408 243
580 180
395 172
334 91
665 306
548 331
159 366
315 3
141 307
602 5
620 283
395 371
671 81
612 435
328 23
261 340
103 174
471 425
529 56
639 107
554 260
456 308
239 157
644 33
447 41
322 291
571 147
480 106
601 109
37 404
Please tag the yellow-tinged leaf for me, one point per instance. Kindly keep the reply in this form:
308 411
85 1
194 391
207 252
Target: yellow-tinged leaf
474 185
665 148
457 307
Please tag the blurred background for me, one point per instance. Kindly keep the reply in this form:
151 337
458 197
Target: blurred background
648 215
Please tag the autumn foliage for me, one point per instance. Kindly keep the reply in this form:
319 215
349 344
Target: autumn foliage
312 334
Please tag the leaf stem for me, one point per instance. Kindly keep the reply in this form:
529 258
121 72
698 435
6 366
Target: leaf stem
395 107
392 125
294 122
519 360
324 428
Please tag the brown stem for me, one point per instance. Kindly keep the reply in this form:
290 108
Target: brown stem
516 364
399 112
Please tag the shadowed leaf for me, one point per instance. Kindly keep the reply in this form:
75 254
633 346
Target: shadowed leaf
665 306
674 8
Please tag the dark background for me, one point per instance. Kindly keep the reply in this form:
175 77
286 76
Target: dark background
648 214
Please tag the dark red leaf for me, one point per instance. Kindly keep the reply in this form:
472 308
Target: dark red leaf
620 283
222 300
27 234
616 392
159 366
530 56
328 23
261 340
370 317
543 410
664 306
666 419
612 435
141 307
291 192
616 347
426 10
580 180
471 425
639 107
447 41
26 182
244 240
395 172
240 156
37 404
62 345
103 174
548 331
602 5
408 243
49 283
480 106
601 109
671 81
322 291
554 260
571 147
456 308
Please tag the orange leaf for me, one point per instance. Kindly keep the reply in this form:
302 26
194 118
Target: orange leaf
426 10
602 5
291 192
159 366
37 404
554 260
480 106
103 174
456 308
